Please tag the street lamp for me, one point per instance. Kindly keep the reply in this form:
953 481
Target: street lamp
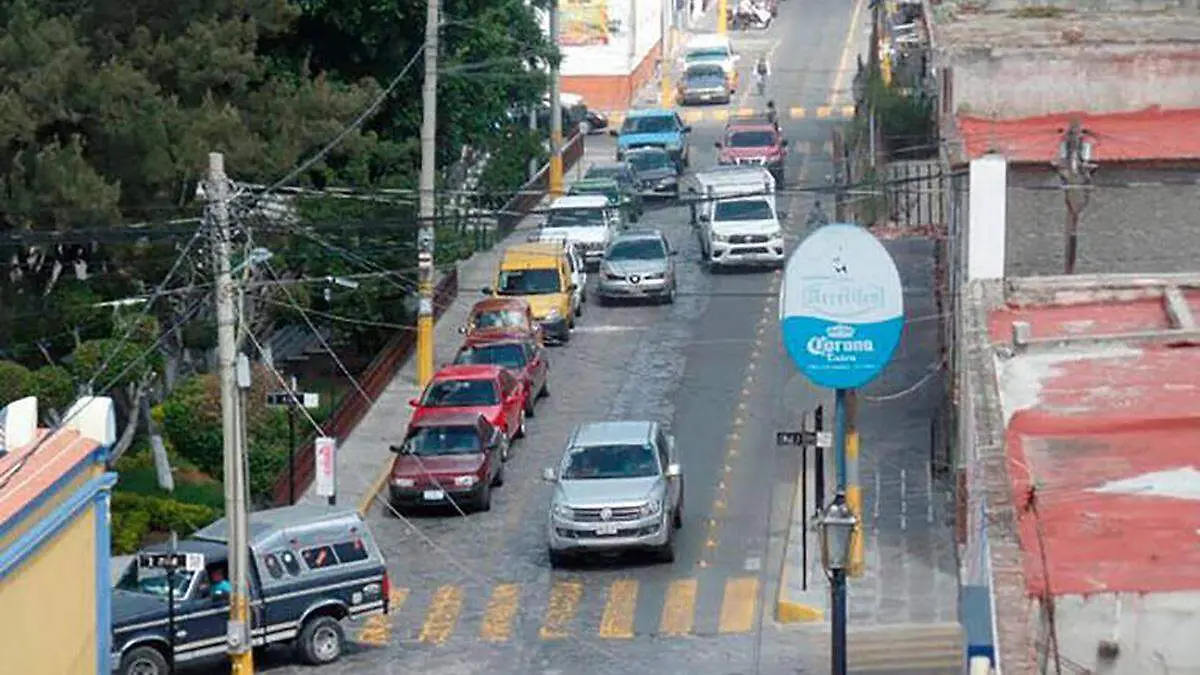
837 534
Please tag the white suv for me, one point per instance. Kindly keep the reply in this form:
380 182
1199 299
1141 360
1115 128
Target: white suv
587 222
742 231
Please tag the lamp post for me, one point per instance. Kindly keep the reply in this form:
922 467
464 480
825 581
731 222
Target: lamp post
837 531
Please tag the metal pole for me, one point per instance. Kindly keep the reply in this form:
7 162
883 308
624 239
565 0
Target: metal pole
533 129
171 606
804 516
853 483
292 454
240 655
819 461
427 232
837 651
555 184
839 437
665 54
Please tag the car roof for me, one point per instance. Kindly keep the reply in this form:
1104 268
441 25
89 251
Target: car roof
641 233
604 433
646 149
596 181
708 40
467 371
300 522
609 165
650 112
550 249
446 418
750 122
580 202
211 550
490 304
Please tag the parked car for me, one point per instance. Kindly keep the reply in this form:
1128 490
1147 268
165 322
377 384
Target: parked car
618 487
587 222
705 83
657 172
448 458
313 567
490 391
715 49
654 128
638 265
518 352
622 172
618 195
542 274
503 315
754 140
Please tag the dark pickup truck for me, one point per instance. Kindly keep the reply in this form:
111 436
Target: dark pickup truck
311 567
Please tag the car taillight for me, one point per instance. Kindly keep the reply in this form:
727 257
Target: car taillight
387 593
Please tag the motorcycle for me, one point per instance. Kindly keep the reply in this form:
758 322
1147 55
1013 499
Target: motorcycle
758 16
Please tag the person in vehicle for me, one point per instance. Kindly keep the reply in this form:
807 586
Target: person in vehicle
220 585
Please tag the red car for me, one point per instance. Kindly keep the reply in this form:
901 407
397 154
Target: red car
448 458
491 391
518 352
755 140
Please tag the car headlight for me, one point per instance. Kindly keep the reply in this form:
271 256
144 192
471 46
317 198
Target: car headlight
669 180
776 234
404 482
651 508
674 145
553 315
563 512
465 481
655 276
719 237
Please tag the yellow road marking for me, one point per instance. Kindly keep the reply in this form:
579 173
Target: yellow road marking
443 615
692 116
617 621
843 71
678 610
561 609
377 631
501 610
847 111
824 112
745 111
738 605
721 115
797 113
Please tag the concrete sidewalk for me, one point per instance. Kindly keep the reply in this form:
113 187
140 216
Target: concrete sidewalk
364 458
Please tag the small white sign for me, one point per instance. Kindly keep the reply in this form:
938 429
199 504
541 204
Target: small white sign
824 439
311 401
325 455
194 562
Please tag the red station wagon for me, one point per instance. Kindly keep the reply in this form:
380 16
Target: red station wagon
516 351
491 391
448 459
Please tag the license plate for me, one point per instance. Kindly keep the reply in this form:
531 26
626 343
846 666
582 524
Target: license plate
606 529
434 495
706 96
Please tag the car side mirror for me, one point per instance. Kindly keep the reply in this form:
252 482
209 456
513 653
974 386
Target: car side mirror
687 129
674 471
398 449
462 330
572 288
219 596
548 475
717 145
414 402
675 251
783 143
613 132
486 290
704 218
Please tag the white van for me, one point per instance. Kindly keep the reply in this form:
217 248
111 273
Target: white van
713 48
737 217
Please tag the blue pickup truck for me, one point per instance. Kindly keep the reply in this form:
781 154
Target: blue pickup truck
311 567
655 128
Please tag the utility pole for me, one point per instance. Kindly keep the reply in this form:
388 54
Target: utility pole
427 232
722 17
668 30
238 633
1075 169
556 130
853 485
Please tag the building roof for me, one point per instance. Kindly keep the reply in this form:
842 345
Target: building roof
1101 438
1150 135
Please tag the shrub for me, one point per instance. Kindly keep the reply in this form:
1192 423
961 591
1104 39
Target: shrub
15 382
135 516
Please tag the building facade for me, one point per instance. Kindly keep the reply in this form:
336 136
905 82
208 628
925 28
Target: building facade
55 581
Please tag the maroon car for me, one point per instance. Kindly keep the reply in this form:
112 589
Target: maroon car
448 459
517 351
754 140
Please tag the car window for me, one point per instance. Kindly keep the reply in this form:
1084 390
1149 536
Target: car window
751 139
441 441
610 461
664 456
460 393
290 562
350 551
637 249
540 281
649 160
153 581
271 564
318 557
743 210
575 217
500 318
650 124
510 355
705 72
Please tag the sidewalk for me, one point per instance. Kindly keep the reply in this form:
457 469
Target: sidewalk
364 458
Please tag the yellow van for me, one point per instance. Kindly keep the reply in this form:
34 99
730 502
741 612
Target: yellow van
540 273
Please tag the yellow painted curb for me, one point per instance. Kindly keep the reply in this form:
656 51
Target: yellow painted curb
787 611
364 504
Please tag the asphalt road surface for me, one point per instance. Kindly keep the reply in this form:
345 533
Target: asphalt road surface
477 594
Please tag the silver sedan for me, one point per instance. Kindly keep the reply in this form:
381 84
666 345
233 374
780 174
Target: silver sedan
639 264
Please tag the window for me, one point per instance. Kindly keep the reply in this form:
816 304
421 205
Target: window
663 455
510 355
611 461
529 282
289 562
743 210
460 393
508 384
440 441
318 557
580 217
657 124
751 139
350 551
637 249
271 563
153 581
646 160
501 318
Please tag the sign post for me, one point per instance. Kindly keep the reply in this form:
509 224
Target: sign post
841 312
292 399
171 562
325 455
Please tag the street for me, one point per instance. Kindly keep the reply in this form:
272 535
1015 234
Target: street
477 594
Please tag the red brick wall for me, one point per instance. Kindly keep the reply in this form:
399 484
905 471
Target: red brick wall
614 92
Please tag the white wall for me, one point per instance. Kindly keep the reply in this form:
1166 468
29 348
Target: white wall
1155 633
633 28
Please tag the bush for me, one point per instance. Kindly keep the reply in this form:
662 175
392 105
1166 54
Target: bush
135 516
15 382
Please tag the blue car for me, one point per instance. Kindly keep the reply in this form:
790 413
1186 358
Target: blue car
654 129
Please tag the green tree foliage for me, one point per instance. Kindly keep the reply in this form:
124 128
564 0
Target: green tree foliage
52 385
135 516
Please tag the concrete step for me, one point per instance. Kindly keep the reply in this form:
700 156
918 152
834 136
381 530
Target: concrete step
931 649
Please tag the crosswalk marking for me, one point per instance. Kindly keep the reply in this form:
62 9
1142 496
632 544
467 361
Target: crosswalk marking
377 630
617 621
738 605
723 113
443 615
501 610
824 112
561 609
796 113
679 608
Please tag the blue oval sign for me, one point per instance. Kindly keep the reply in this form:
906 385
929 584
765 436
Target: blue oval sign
841 306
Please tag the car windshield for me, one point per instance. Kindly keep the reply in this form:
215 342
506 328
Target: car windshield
576 218
507 355
460 393
703 73
649 160
614 171
751 139
529 282
153 581
611 461
612 192
637 249
708 54
651 124
755 209
439 441
501 318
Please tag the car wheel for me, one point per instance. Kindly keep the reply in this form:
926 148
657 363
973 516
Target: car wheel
559 559
520 433
669 298
321 641
545 390
485 499
529 405
579 308
677 518
666 554
143 661
499 479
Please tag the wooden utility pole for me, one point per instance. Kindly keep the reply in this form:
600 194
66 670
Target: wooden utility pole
555 179
427 233
1075 169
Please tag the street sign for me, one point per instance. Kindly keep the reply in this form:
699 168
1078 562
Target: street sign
283 399
841 306
325 454
191 562
822 439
